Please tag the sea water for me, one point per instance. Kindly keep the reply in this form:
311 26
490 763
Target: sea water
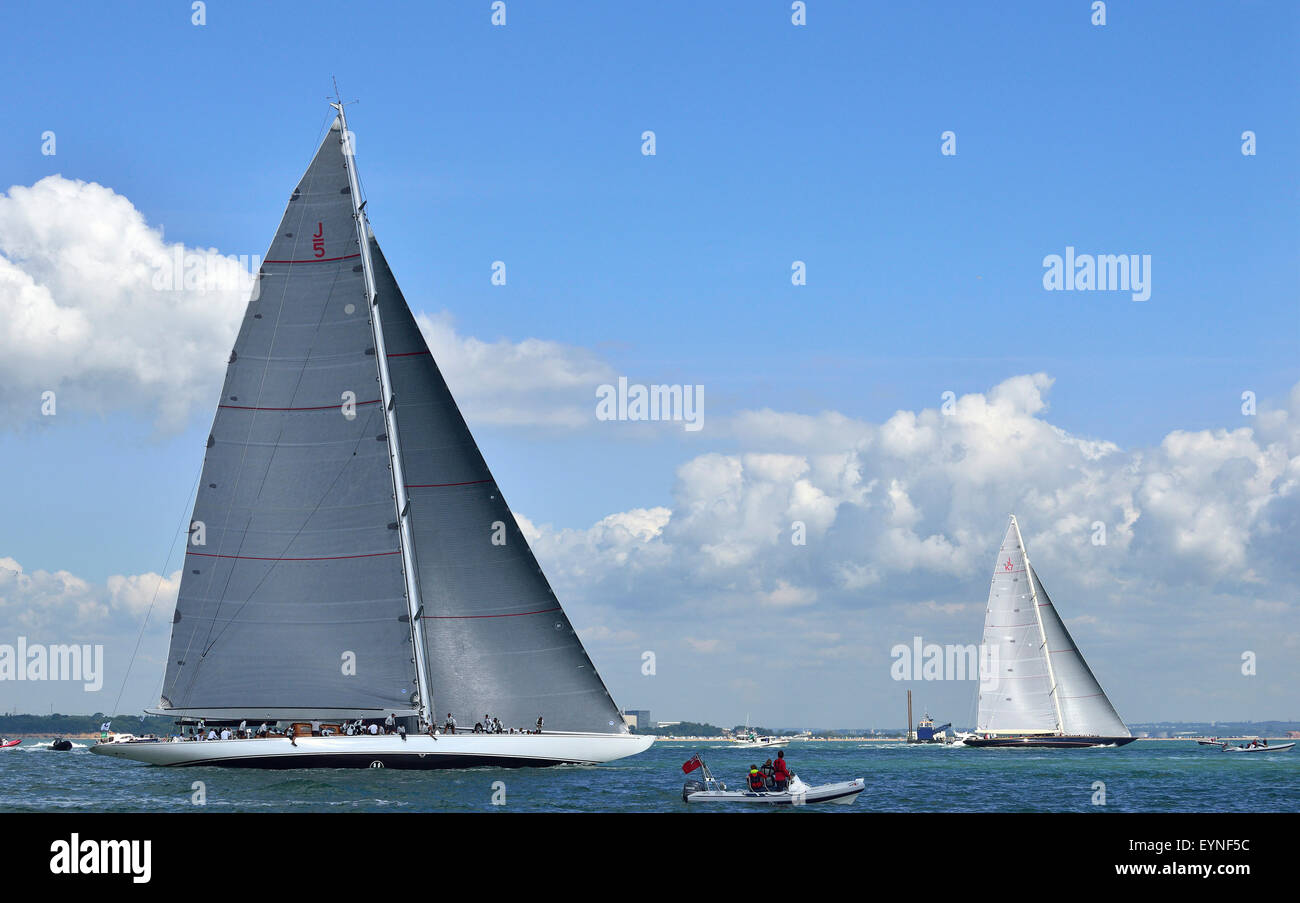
1146 776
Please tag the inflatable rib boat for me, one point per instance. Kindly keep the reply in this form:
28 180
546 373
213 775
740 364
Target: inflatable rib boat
709 789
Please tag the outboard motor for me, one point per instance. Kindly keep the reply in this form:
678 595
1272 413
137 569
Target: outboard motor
691 787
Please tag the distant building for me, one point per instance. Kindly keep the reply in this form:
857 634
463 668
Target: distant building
641 718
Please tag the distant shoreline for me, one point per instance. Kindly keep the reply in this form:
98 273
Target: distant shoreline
48 736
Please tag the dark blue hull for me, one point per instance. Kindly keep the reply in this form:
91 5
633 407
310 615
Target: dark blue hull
1049 742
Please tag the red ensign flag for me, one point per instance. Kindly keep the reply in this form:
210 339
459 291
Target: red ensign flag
691 764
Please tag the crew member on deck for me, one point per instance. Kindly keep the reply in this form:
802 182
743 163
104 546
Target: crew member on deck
781 771
756 779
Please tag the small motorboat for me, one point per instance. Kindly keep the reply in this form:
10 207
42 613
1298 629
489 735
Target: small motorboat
761 743
751 740
62 744
710 790
1281 747
1211 742
9 744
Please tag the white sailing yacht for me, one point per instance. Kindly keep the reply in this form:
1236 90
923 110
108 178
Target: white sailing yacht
1043 693
351 556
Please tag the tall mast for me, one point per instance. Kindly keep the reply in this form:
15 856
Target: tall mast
1042 634
414 603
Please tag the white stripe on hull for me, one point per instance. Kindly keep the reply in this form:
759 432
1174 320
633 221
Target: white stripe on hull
390 751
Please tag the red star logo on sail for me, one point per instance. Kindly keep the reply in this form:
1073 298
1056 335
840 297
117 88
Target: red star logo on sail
1007 566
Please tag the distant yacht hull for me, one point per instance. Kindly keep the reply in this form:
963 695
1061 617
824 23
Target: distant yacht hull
385 751
1059 742
761 744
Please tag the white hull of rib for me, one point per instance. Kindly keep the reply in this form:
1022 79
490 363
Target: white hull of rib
1259 749
843 793
386 751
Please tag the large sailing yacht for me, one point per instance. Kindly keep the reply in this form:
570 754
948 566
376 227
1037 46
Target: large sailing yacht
1043 693
351 556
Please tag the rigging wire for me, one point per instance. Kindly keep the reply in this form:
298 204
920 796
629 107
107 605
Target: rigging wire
189 507
189 504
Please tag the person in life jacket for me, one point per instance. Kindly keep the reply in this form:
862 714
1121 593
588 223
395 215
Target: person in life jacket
768 771
781 771
756 779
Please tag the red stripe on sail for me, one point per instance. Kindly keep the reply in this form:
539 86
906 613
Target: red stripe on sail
319 407
323 558
518 614
315 259
440 485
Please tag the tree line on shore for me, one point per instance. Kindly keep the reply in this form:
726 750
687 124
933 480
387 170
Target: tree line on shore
57 725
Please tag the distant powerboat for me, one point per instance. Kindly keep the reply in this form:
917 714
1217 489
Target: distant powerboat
10 744
1281 747
755 742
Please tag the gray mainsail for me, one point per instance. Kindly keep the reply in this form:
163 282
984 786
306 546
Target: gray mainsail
1017 697
1085 708
314 554
497 640
292 600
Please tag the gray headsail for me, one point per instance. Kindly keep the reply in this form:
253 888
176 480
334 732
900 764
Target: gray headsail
1017 697
497 639
1085 708
292 599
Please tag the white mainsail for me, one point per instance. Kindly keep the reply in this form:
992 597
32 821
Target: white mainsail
1017 697
1036 680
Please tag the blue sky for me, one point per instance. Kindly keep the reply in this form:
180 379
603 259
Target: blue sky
775 143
